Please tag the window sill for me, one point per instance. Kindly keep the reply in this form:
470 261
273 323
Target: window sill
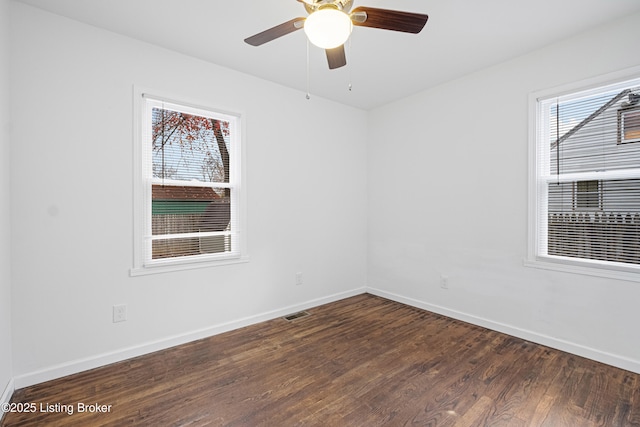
587 268
180 266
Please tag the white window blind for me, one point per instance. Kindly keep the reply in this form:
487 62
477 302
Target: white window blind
588 177
190 176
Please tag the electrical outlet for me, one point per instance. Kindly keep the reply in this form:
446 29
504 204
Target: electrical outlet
444 281
119 313
298 279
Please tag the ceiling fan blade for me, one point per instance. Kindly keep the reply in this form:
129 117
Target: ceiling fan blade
385 19
336 57
275 32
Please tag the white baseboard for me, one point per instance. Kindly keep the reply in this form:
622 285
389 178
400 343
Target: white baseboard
6 396
559 344
80 365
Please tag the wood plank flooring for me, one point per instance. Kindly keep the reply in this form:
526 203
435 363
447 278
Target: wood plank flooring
362 361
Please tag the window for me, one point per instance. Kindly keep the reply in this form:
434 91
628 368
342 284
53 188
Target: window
629 122
188 190
585 184
587 195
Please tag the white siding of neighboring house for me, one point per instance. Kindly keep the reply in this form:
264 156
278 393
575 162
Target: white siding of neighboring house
595 147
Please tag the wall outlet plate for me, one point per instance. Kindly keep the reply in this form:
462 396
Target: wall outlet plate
444 281
119 313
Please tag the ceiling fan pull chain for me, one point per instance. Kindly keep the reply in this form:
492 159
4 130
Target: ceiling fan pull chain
558 139
350 79
308 94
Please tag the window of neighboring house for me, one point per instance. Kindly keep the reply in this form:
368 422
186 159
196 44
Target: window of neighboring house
189 204
629 124
584 184
587 195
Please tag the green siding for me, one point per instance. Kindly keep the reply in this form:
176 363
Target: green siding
164 207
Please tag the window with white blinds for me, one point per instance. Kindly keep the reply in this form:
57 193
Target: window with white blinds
587 177
189 184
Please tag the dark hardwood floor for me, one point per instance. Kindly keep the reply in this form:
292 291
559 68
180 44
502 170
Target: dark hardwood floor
362 361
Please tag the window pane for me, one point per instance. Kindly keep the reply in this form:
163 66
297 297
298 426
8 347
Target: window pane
588 195
583 134
631 126
184 209
188 147
180 247
610 234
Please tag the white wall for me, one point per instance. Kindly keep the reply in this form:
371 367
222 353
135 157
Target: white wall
5 229
447 179
72 200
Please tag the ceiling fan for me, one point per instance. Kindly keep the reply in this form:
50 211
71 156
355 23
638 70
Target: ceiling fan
329 25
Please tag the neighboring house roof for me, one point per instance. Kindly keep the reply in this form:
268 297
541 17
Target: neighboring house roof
593 115
183 193
634 99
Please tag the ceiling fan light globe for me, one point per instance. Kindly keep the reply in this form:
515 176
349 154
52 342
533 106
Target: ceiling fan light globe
328 28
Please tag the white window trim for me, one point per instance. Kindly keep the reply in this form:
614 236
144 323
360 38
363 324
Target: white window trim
620 271
142 266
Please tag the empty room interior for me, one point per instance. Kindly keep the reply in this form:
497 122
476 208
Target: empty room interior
211 216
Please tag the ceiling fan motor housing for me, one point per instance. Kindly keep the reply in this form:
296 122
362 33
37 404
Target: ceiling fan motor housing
343 5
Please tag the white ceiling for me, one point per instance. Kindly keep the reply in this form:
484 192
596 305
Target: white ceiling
460 37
